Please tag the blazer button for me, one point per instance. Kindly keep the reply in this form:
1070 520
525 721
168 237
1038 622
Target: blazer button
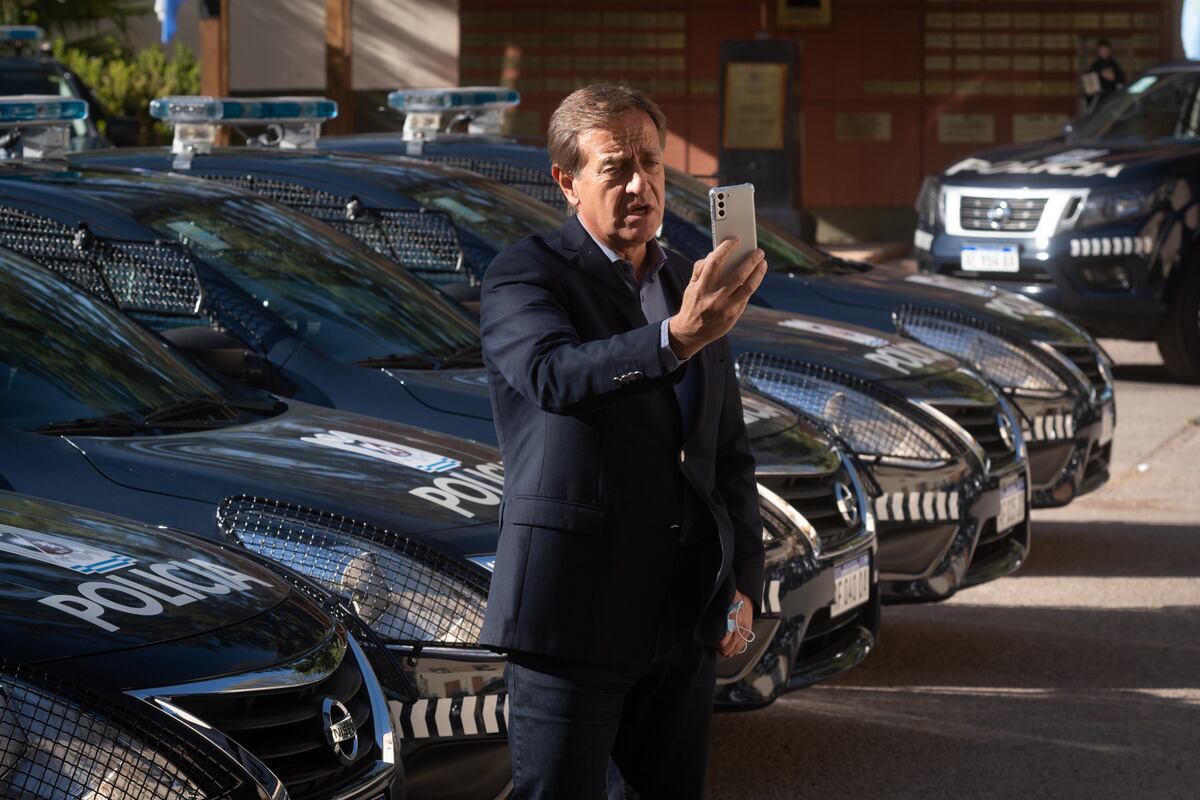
682 456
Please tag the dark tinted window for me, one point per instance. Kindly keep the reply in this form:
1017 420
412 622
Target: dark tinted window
1152 108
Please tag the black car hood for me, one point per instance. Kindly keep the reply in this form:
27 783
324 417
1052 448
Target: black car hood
888 288
1067 165
321 458
57 559
863 353
465 392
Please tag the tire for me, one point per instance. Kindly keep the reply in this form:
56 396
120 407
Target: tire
1179 336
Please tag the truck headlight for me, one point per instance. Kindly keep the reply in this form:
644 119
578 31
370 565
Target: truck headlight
1105 206
931 202
55 742
1000 362
867 425
403 590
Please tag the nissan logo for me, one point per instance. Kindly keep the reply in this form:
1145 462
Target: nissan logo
847 503
1006 430
340 732
999 214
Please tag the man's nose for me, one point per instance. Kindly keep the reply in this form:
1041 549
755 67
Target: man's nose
637 183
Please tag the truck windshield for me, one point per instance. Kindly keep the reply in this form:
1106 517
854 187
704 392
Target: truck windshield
487 214
1154 108
687 198
88 364
344 300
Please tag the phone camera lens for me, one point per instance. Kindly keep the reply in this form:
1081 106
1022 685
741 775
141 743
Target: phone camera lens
720 205
720 197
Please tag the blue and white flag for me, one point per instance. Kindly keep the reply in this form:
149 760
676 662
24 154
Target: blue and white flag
166 10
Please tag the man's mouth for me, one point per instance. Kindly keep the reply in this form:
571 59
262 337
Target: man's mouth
638 211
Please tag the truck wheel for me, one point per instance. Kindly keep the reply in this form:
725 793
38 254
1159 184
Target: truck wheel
1179 336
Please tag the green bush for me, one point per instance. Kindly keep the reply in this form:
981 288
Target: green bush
125 83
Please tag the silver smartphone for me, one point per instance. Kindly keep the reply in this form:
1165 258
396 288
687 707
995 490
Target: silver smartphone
732 211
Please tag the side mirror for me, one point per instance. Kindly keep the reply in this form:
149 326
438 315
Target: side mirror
123 131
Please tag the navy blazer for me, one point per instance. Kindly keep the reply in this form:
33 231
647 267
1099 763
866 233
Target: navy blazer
599 476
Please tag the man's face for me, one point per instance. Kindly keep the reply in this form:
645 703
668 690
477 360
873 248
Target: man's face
618 191
1104 51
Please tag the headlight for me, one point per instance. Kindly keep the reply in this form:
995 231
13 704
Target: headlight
866 424
57 742
1000 362
931 203
402 589
1104 206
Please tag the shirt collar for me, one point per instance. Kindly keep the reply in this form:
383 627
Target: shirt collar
657 253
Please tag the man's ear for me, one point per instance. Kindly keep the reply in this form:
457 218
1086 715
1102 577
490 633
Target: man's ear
566 182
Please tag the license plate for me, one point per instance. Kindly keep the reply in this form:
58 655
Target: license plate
851 584
1012 502
1108 423
1004 258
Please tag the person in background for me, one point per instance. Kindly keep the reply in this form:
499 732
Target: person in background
1107 70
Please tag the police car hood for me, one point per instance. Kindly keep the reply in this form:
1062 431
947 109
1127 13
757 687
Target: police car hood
1067 165
367 469
888 289
54 556
866 354
465 392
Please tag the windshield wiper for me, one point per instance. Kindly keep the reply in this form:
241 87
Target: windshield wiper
189 408
401 361
470 355
110 424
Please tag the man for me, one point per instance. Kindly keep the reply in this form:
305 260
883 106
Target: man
1107 70
630 546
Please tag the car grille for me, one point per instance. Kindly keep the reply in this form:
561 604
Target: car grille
1010 214
816 498
404 590
537 184
1088 360
58 739
156 277
284 728
424 241
983 423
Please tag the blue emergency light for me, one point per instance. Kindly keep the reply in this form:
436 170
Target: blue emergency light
295 121
463 98
41 125
40 110
22 34
265 110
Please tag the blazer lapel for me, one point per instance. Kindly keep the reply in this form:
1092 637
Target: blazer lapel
593 262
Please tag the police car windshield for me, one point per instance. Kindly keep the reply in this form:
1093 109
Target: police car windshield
688 199
345 301
89 363
487 215
1154 108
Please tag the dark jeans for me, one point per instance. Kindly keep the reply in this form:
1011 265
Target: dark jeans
566 719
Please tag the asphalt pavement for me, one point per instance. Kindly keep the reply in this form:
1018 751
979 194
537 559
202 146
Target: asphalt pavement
1077 677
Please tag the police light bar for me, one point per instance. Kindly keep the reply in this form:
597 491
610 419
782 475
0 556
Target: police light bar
21 34
431 111
41 123
295 122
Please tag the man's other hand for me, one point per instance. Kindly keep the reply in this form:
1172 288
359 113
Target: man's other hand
715 298
733 644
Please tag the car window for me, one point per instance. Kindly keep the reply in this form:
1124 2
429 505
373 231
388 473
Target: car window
91 362
347 302
1153 108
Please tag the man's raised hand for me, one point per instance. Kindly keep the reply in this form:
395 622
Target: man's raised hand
715 298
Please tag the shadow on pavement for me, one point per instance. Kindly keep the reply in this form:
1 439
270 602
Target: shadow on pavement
1111 549
1145 373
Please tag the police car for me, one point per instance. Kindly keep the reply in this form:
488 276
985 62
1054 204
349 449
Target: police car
148 663
1101 224
26 69
370 199
1055 375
